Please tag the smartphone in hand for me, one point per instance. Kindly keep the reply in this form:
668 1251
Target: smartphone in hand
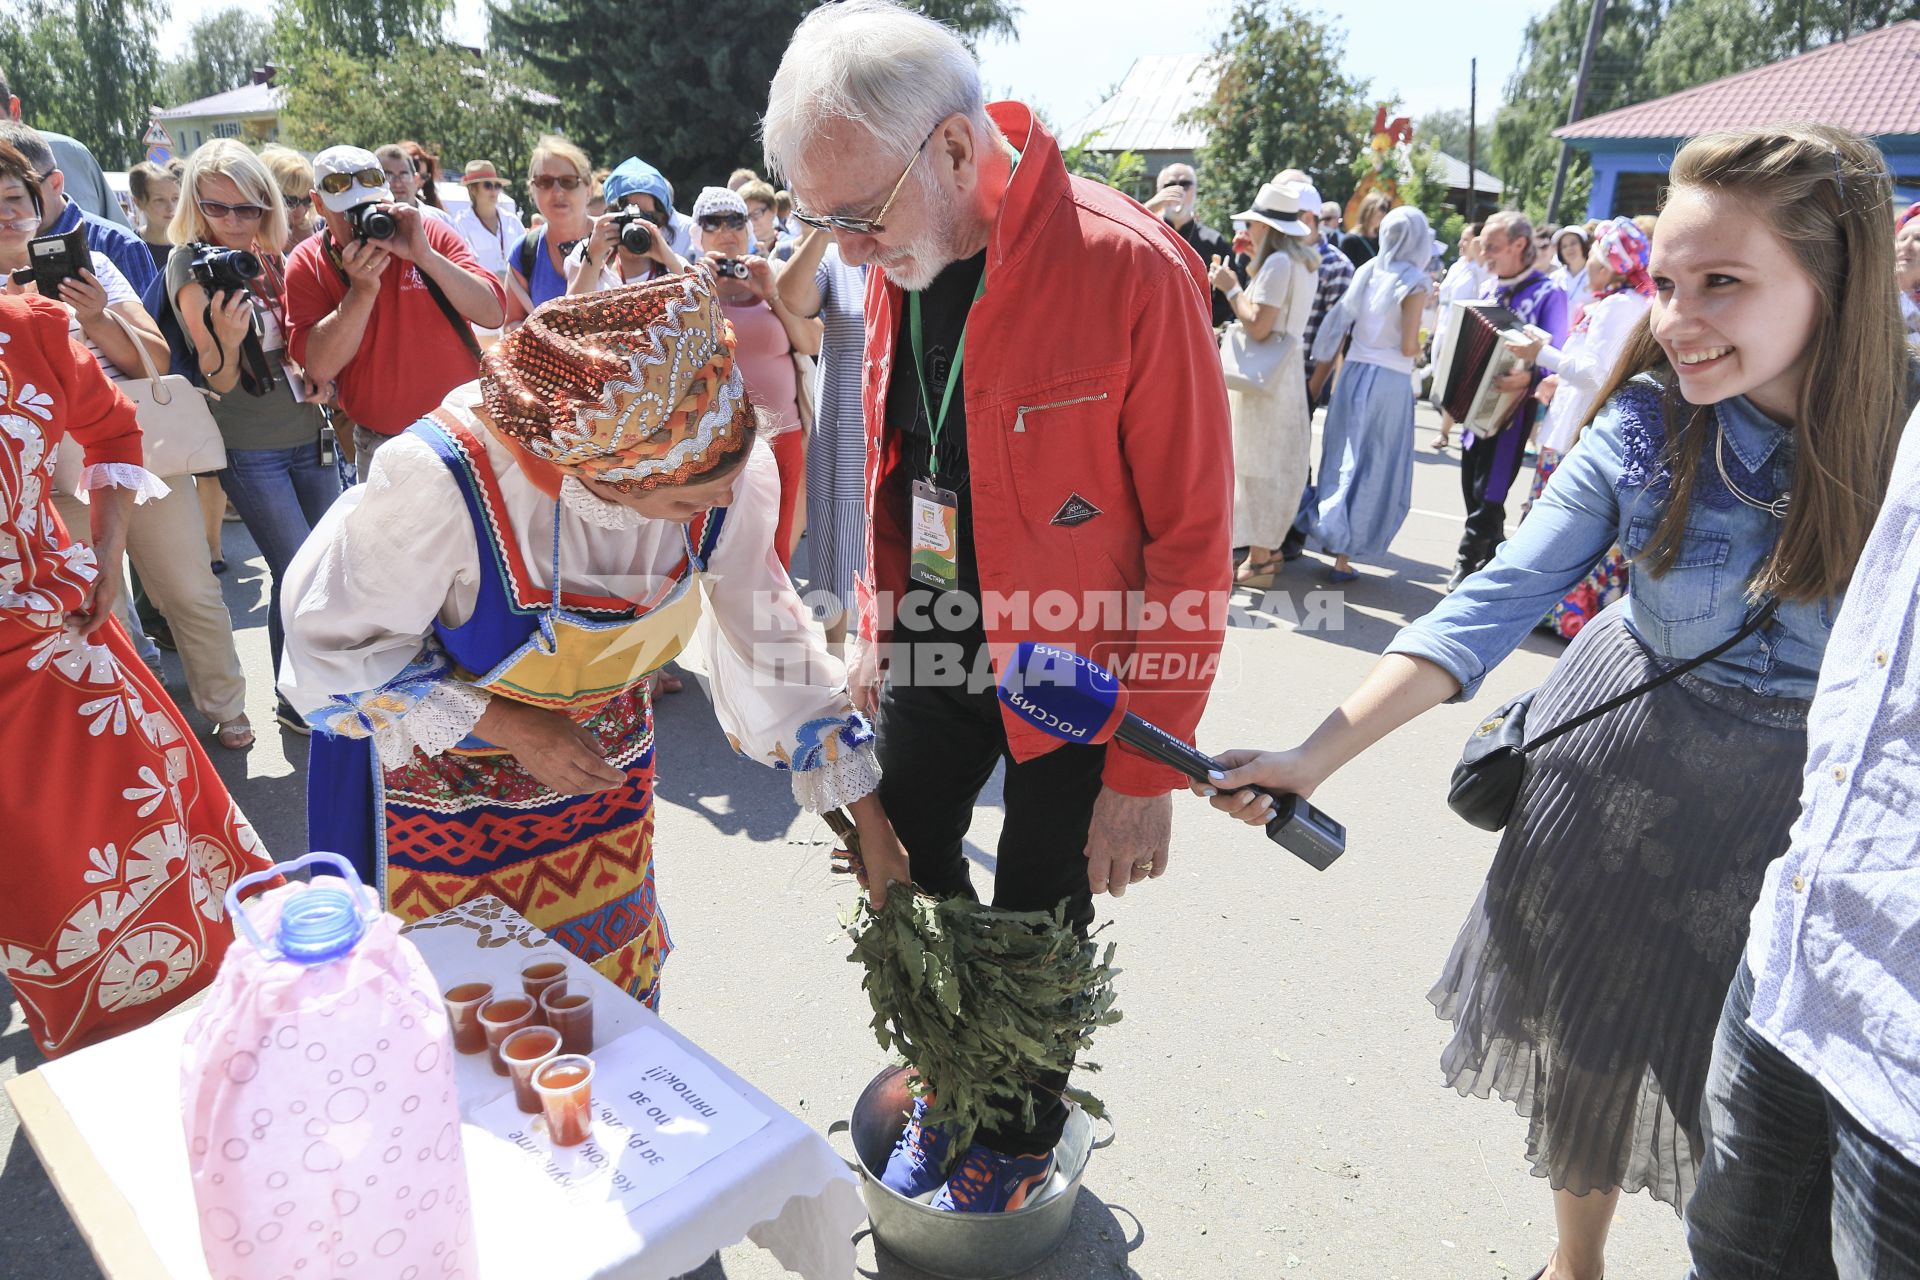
54 259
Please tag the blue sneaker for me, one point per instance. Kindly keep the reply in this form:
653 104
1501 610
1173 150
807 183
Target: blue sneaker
919 1160
986 1181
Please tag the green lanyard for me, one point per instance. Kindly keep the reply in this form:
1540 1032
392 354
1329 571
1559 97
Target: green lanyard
934 424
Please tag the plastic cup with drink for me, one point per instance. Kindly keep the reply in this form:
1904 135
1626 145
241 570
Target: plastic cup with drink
463 1000
565 1086
500 1017
525 1052
568 1009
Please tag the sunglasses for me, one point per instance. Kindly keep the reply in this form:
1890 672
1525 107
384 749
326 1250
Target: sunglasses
723 222
1177 182
877 223
244 212
489 186
547 181
294 203
335 183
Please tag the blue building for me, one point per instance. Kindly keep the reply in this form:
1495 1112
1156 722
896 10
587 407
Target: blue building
1869 83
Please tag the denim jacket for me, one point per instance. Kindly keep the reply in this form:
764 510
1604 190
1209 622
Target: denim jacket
1612 488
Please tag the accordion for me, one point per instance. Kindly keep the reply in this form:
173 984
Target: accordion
1473 357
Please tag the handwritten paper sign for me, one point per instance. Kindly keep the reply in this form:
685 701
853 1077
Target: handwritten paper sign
658 1115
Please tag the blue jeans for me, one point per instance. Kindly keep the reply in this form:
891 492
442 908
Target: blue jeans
1792 1185
280 495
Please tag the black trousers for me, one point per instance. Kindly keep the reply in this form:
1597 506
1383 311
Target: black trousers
938 745
1488 469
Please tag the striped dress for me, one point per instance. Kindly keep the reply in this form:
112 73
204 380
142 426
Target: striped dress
837 456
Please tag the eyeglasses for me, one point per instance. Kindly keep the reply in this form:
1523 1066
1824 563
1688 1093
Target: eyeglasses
335 183
244 212
548 181
1177 182
875 225
723 222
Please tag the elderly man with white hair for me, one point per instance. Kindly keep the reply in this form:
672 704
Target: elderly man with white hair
1050 458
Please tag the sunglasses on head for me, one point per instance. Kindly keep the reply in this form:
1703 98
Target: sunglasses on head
245 212
335 183
723 222
548 181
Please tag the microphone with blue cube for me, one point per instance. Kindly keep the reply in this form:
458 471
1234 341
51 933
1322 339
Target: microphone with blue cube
1077 700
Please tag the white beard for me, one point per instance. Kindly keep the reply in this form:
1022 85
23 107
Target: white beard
915 266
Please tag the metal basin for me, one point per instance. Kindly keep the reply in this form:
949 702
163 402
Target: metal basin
962 1246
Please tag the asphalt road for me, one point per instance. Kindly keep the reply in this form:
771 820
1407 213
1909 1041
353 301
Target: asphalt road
1275 1084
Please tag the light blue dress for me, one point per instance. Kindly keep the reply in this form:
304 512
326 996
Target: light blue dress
1366 452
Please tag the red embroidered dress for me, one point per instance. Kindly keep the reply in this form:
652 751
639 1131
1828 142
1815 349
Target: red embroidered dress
120 839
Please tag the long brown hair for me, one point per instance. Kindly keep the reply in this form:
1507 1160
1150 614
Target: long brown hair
1826 193
419 156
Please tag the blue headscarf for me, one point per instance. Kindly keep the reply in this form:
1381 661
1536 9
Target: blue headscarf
1385 280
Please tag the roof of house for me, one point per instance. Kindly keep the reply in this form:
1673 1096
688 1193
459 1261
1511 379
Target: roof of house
1144 113
247 100
1455 173
1869 83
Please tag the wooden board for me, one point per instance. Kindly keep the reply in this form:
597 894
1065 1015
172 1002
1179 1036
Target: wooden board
102 1214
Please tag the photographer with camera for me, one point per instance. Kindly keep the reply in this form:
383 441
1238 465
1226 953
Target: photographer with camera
224 283
163 533
383 301
769 334
62 214
633 240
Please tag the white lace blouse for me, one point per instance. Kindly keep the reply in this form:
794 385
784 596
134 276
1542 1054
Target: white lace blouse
398 553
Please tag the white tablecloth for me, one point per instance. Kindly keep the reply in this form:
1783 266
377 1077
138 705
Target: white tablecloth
783 1188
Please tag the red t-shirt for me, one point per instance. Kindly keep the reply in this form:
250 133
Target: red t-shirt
410 356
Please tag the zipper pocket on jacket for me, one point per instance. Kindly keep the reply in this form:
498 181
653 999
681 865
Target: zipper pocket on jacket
1020 415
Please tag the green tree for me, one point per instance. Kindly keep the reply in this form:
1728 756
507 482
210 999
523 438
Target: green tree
1703 40
87 68
1282 102
682 82
1447 131
1425 188
371 29
1523 150
459 107
222 50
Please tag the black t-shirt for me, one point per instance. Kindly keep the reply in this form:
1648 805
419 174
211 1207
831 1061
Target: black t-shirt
1358 248
944 305
1210 244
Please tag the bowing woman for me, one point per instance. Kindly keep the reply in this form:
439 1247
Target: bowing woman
472 630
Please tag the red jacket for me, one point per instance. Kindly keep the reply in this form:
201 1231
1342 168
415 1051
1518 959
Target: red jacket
1091 373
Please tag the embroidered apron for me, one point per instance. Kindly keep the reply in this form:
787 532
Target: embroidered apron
473 822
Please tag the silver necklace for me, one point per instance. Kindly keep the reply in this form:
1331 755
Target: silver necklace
1777 508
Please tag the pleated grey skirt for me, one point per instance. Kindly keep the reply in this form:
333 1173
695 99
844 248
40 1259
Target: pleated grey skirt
1586 984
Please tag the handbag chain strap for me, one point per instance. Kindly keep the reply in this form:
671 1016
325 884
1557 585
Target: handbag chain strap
1753 624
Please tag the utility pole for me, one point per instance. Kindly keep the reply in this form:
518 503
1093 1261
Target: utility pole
1594 24
1473 158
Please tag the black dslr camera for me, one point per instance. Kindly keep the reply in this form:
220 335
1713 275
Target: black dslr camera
636 231
219 270
373 222
733 267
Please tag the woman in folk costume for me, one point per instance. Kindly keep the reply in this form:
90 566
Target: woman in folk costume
121 838
473 628
1616 272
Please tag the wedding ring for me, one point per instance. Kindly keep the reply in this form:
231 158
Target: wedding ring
1144 866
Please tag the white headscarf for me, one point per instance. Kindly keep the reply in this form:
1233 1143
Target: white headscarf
1385 280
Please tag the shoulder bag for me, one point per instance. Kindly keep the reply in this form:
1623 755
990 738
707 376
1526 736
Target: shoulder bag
1250 364
1486 782
178 436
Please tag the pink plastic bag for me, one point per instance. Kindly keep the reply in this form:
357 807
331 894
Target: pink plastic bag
323 1124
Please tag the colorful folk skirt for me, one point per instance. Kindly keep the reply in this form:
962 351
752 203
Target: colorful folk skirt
462 826
121 839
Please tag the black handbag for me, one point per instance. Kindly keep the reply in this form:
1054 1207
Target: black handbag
1486 782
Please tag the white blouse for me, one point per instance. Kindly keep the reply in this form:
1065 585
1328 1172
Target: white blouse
396 554
1585 364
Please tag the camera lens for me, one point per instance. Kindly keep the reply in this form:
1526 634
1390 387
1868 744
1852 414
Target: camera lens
371 222
635 235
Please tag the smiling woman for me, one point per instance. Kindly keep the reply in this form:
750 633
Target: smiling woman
1739 453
